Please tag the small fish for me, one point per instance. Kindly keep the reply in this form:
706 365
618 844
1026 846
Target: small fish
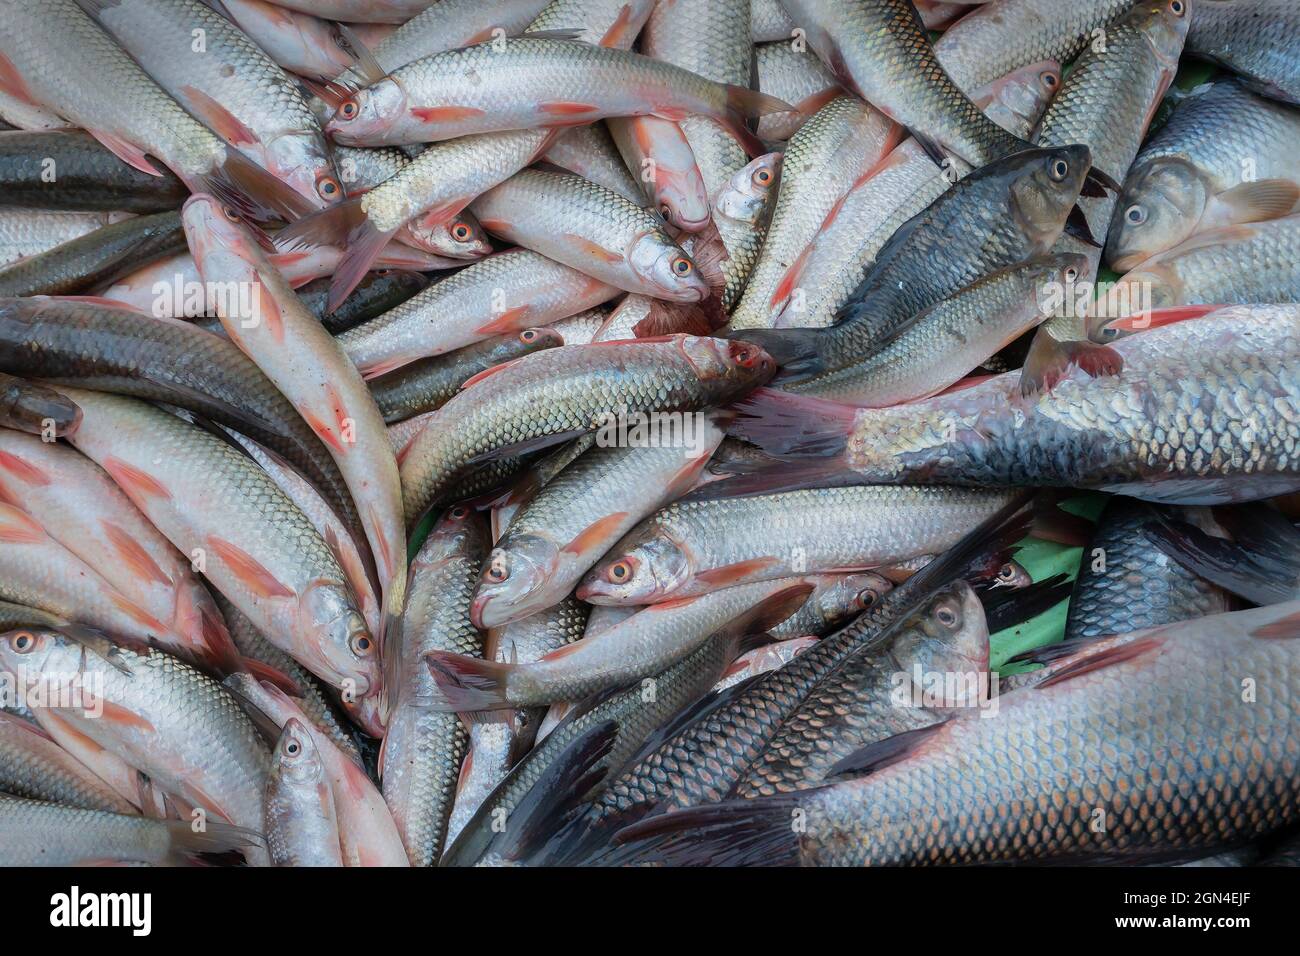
301 827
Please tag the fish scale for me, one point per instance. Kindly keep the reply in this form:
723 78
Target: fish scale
30 232
1257 39
32 765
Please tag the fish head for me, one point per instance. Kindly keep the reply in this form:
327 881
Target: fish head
650 568
1018 99
371 116
849 595
1044 187
948 634
460 237
342 650
1160 207
662 264
215 231
301 160
1127 305
746 195
296 757
513 583
727 368
1165 24
25 653
1012 575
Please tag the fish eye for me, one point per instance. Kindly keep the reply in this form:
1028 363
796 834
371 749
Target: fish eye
292 748
231 213
1058 170
1178 8
458 512
1050 79
528 335
762 176
1071 274
946 615
682 266
665 210
349 109
497 570
866 599
460 232
1110 332
1136 215
327 187
362 645
22 642
620 571
1007 572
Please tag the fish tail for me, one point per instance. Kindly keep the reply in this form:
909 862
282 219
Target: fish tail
239 182
798 352
1049 360
744 104
469 683
345 225
756 832
788 425
186 844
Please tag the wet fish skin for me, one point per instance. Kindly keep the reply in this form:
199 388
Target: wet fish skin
429 383
660 151
123 351
572 390
33 766
613 23
557 535
96 258
505 293
423 748
359 11
1257 40
1190 175
88 177
37 833
694 547
30 232
859 704
593 230
1138 702
863 41
301 828
795 76
1228 266
590 152
163 717
377 293
258 548
304 44
36 409
837 600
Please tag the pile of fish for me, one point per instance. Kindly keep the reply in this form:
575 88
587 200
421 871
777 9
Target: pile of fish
649 432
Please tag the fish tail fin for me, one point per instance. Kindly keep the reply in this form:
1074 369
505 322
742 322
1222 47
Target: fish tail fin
345 225
798 352
756 832
186 844
239 182
199 615
1049 360
469 683
744 104
789 425
1009 608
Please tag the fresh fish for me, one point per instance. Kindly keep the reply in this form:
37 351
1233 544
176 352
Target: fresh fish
430 383
58 57
842 140
1256 39
1144 432
423 747
1000 215
362 168
304 44
1226 156
1125 584
568 84
313 371
836 601
85 511
798 78
32 765
612 23
1229 266
229 85
30 232
86 176
697 546
301 827
578 516
865 700
367 834
378 293
255 546
36 833
562 393
826 273
161 716
508 292
96 258
952 337
658 149
19 114
360 11
639 647
1104 717
36 409
879 49
460 237
112 348
593 230
441 181
763 659
769 21
590 152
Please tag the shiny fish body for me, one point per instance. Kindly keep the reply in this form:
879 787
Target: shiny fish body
590 152
29 232
87 176
797 77
32 765
301 827
1256 39
836 601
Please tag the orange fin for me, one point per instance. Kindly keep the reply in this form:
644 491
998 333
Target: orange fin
730 574
1283 628
137 559
597 534
18 527
128 153
268 309
1105 657
138 614
267 674
217 118
135 482
121 717
23 470
592 249
444 114
511 320
487 372
248 569
567 108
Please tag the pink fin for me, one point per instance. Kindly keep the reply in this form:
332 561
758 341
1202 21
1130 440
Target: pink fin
488 372
597 534
511 320
468 683
128 153
217 118
592 249
18 527
134 556
1108 656
138 485
23 470
735 573
248 569
119 716
444 114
